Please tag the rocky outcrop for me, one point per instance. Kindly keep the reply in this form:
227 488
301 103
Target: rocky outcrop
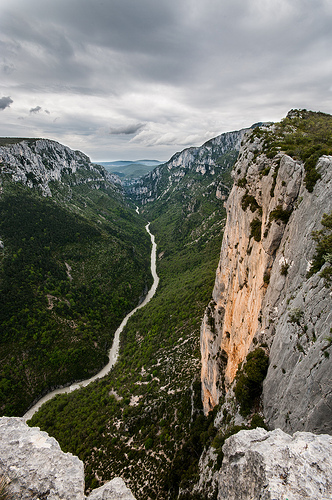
209 159
273 465
36 468
113 490
255 464
261 283
39 162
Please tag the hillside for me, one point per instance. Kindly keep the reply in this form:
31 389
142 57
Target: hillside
73 260
127 170
192 168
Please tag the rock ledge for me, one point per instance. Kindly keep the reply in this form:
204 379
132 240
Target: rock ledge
276 466
38 469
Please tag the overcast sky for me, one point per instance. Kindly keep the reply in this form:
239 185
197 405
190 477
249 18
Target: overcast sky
134 79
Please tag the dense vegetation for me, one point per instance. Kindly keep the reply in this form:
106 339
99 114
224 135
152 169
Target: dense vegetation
303 135
145 418
323 253
143 421
249 380
69 272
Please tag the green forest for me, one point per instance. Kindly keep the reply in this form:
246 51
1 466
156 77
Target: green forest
66 281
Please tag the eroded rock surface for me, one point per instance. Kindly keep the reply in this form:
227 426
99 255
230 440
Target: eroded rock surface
38 469
261 282
276 466
39 162
113 490
297 392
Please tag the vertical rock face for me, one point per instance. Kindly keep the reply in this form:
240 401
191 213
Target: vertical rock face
261 278
297 392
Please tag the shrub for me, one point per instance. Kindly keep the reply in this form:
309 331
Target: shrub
284 269
249 201
250 378
280 214
256 229
310 178
242 182
295 315
271 154
265 171
148 443
323 253
266 278
258 421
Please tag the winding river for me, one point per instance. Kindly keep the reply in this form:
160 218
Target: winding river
114 351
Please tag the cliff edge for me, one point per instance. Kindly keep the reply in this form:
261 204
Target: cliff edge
263 295
269 465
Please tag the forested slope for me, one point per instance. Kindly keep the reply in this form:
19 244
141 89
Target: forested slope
71 265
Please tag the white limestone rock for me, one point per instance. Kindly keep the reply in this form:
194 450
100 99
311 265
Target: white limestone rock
113 490
39 470
258 285
276 466
36 465
297 390
38 162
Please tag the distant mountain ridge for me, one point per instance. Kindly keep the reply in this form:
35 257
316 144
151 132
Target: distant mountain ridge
130 169
191 164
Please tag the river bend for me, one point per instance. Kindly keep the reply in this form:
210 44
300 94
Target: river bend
114 351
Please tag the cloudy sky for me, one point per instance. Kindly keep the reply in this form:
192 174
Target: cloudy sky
133 79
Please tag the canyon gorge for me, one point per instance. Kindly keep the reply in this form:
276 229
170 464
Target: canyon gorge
220 397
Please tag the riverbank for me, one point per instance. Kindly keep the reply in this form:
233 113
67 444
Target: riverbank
114 351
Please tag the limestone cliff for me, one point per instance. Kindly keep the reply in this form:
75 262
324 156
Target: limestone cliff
184 167
256 464
262 295
39 162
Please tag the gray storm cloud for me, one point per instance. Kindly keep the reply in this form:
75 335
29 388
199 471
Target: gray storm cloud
160 71
5 102
127 130
35 110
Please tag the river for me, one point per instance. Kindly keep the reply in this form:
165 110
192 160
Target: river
114 351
